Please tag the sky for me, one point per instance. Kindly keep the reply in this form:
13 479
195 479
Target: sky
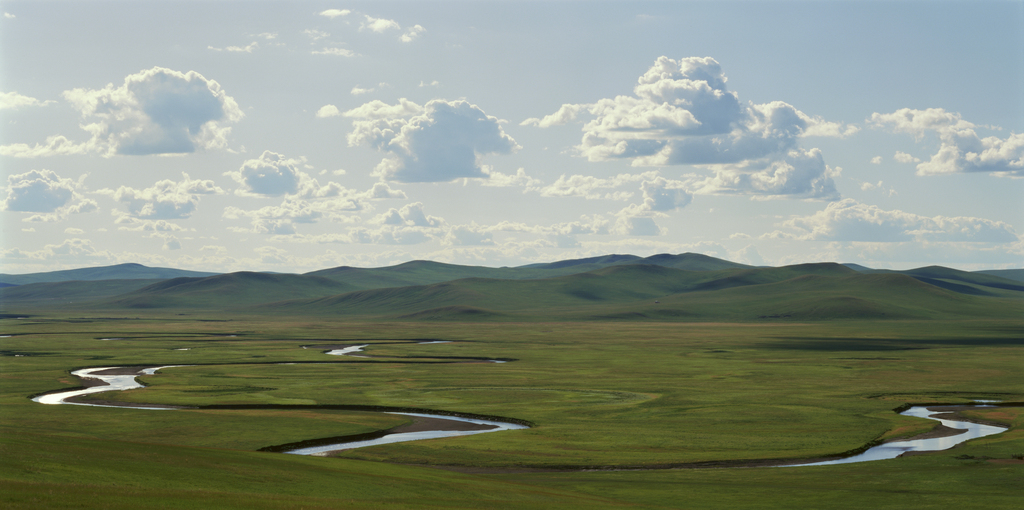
296 136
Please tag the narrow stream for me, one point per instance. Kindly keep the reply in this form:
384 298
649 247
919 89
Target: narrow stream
897 448
884 451
496 426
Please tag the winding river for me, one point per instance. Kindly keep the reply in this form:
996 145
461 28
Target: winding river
123 378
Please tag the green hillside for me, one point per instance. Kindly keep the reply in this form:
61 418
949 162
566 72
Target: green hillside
804 292
117 272
226 291
63 293
1009 274
423 272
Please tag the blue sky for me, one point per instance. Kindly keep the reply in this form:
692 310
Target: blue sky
294 136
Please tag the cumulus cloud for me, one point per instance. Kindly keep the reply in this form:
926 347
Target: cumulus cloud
903 157
389 234
327 110
156 111
877 160
237 49
800 174
412 33
438 142
410 215
849 220
43 191
278 220
500 180
682 113
379 25
166 199
14 100
591 187
961 149
337 52
70 251
38 191
271 174
468 235
661 195
334 13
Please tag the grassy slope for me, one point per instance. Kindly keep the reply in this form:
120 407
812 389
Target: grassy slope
226 291
1009 274
807 292
63 293
422 272
706 391
117 272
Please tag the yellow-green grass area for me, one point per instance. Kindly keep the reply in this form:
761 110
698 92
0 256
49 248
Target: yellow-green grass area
600 395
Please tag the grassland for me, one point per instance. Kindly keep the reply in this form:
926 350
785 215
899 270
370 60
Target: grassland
625 394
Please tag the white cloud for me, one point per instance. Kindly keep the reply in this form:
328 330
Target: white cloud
38 191
439 142
379 25
748 255
681 113
800 174
315 35
468 235
434 83
338 52
74 231
271 174
661 195
14 100
327 110
390 234
851 221
410 215
903 157
877 160
278 220
171 243
962 149
381 190
132 224
9 15
45 192
412 33
166 199
334 13
237 49
588 186
75 251
156 111
500 180
358 91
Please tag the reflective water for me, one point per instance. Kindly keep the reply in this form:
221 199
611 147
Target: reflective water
347 351
114 383
897 448
411 436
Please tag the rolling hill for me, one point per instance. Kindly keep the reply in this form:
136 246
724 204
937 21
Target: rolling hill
117 272
614 287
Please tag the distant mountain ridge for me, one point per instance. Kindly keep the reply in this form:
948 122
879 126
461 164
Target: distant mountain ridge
128 271
686 286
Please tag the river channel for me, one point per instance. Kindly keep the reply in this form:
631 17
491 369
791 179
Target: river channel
123 378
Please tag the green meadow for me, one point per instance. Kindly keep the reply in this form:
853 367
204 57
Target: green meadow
622 410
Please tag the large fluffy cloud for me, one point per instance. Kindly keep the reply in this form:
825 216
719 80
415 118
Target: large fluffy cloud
849 220
682 113
166 199
800 174
438 142
43 191
156 111
962 149
271 174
